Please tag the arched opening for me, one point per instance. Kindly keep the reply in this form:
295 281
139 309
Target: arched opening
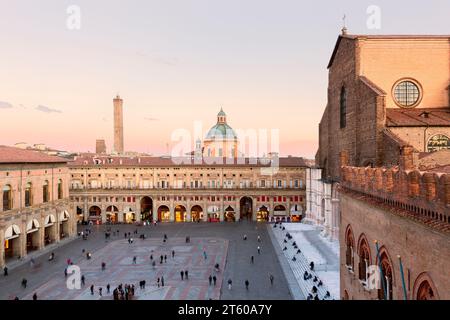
49 229
164 214
95 214
230 214
364 259
146 209
64 224
45 192
7 198
213 214
112 214
60 189
350 248
246 208
129 215
262 214
425 291
12 242
180 213
386 278
280 213
424 288
80 215
32 235
296 213
28 195
343 108
196 213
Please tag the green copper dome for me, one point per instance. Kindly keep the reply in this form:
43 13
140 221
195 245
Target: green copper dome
221 131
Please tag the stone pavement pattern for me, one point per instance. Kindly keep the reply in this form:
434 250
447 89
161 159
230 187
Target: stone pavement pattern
235 251
120 269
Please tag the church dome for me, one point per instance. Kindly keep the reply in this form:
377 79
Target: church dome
221 131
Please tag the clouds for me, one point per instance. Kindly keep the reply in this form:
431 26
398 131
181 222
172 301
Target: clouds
47 109
5 105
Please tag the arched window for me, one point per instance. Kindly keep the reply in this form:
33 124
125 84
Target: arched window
60 189
7 198
425 291
386 278
350 245
364 259
45 192
28 195
343 108
438 142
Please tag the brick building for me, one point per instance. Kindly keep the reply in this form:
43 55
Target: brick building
35 209
384 144
385 92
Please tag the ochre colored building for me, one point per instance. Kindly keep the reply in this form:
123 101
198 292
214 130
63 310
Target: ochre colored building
35 210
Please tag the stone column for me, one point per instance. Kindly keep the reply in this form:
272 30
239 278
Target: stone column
237 210
254 209
271 206
172 210
23 241
2 248
138 209
103 214
205 210
86 209
288 208
221 213
155 210
188 211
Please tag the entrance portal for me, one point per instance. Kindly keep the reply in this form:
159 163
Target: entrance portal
246 208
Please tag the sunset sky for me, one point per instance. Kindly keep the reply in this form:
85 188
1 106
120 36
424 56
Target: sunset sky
176 62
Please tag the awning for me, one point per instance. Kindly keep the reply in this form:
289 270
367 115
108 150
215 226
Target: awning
49 220
12 232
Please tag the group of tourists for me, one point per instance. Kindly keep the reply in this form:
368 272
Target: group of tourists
124 292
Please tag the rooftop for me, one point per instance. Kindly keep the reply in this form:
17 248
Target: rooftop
16 155
110 161
418 117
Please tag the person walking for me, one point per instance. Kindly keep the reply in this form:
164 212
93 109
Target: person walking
229 284
173 254
157 281
245 237
103 266
165 258
259 250
35 296
5 271
82 280
65 272
271 279
204 255
186 274
252 259
210 279
162 281
108 288
134 260
182 275
24 283
246 284
214 280
100 291
151 257
161 259
259 238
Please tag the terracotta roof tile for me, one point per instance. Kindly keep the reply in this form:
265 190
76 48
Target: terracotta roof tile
418 117
16 155
114 161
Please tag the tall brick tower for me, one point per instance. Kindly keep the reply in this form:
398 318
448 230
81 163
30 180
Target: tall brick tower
118 125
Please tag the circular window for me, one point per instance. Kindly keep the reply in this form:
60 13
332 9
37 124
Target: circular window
438 142
407 93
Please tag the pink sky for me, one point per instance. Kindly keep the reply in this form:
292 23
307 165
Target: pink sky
176 62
